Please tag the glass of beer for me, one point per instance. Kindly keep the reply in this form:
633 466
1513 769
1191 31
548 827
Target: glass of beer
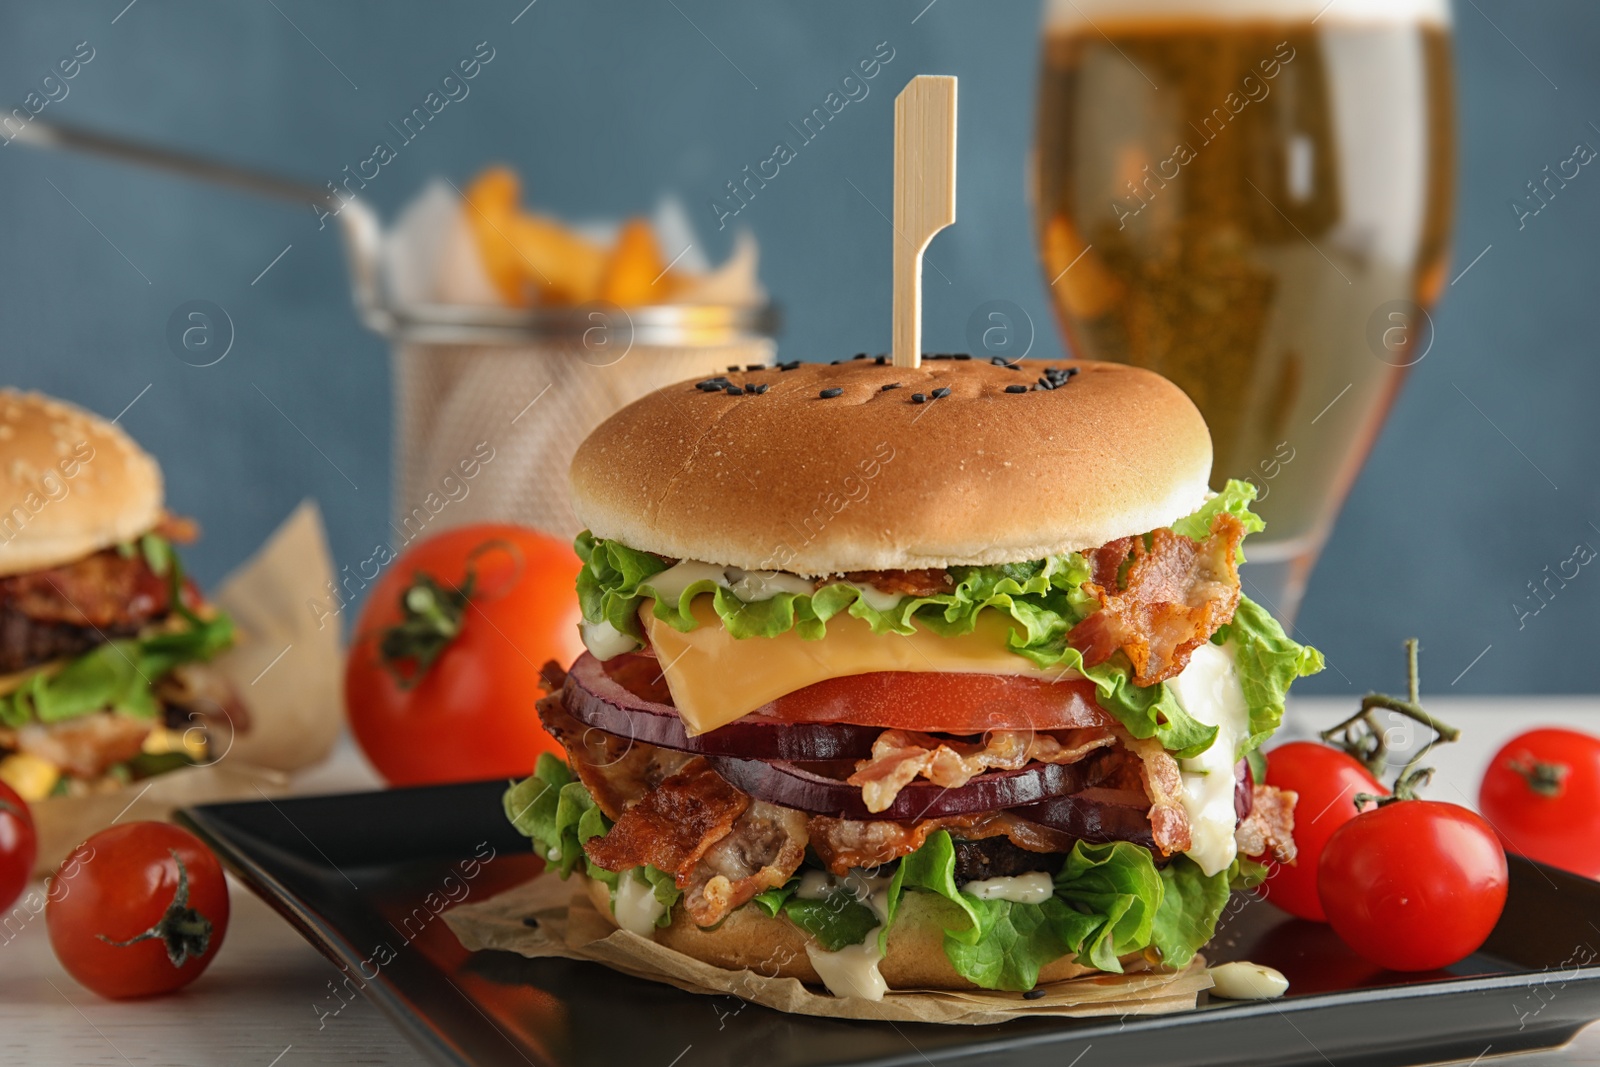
1253 198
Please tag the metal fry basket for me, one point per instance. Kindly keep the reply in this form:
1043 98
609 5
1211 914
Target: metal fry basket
507 397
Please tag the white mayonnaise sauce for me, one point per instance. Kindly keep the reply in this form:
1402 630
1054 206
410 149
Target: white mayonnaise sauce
604 640
1035 887
1242 980
853 970
1209 690
635 905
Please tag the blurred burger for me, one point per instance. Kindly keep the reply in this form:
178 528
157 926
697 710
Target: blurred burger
932 678
103 642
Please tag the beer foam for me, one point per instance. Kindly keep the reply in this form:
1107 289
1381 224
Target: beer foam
1070 14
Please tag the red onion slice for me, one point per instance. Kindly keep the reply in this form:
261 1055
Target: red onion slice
794 786
595 698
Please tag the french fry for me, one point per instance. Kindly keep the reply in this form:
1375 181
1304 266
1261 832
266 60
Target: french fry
636 275
491 205
533 259
565 267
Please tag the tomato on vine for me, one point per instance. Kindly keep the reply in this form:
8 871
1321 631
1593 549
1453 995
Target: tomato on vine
1410 884
1541 793
1327 782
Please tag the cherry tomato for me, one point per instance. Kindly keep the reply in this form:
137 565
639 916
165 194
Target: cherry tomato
1414 885
948 703
443 691
137 910
1541 794
19 846
1327 782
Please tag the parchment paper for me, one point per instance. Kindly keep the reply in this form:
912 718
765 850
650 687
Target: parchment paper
568 926
285 670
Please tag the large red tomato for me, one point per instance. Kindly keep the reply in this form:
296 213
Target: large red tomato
1327 782
1414 885
1541 794
444 669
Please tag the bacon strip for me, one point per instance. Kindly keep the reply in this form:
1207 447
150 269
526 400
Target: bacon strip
1175 595
672 825
900 756
1163 784
764 848
1270 825
84 747
845 843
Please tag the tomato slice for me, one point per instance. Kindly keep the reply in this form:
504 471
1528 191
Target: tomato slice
933 702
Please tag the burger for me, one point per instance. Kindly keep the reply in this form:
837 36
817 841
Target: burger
933 678
104 642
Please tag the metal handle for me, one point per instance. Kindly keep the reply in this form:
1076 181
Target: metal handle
359 225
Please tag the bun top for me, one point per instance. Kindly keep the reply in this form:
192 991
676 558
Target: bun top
799 479
71 483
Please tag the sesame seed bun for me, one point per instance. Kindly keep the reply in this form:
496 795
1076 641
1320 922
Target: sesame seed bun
71 483
869 479
749 940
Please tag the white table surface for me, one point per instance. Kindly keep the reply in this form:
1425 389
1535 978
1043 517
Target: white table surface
257 1004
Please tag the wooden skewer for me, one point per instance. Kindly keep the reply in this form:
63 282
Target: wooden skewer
924 196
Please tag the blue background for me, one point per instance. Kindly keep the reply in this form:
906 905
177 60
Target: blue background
604 105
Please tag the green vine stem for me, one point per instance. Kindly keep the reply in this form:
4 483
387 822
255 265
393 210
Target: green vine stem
1362 738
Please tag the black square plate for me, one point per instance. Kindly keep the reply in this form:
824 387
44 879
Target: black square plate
364 877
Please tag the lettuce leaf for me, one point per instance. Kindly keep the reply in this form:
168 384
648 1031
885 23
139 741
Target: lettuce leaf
1041 599
1191 903
1105 904
1267 662
833 922
1234 500
771 901
554 809
1113 892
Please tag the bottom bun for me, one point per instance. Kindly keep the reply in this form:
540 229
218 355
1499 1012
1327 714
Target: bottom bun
775 947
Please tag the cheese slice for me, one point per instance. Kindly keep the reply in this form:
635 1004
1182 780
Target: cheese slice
715 679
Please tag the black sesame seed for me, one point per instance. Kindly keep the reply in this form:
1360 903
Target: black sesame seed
1016 388
734 367
755 366
940 394
961 356
1046 383
791 365
997 361
881 361
859 355
1072 372
1033 994
891 385
834 362
829 394
756 389
918 398
529 920
734 390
